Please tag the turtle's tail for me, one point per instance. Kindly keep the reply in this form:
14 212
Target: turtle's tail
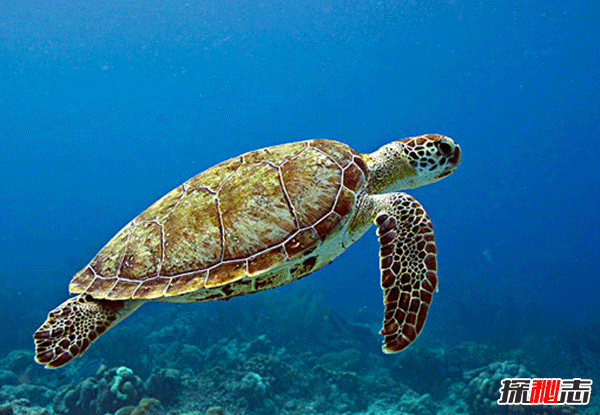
72 326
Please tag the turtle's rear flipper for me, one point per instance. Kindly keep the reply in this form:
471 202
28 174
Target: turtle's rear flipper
408 268
72 326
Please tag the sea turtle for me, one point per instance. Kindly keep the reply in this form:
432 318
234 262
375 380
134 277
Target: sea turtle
261 220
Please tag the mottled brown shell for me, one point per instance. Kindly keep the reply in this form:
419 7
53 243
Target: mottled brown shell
238 219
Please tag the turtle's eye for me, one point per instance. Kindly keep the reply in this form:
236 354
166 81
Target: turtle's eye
445 148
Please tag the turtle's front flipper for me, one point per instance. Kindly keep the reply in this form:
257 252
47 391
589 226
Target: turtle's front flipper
408 267
73 325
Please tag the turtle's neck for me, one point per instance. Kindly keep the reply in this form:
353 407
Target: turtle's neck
389 170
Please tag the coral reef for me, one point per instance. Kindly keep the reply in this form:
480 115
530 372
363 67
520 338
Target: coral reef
255 363
482 385
215 410
17 382
482 390
35 394
22 407
147 406
253 388
105 392
276 373
164 384
341 389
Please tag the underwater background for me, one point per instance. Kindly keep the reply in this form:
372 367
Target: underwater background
107 105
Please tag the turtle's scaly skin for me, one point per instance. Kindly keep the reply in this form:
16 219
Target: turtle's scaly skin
407 285
230 223
261 220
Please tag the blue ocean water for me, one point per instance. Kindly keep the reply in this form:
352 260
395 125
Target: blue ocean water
106 106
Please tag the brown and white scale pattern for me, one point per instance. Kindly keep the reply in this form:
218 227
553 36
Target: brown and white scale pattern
261 220
405 232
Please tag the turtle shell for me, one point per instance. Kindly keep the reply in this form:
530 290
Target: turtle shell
238 219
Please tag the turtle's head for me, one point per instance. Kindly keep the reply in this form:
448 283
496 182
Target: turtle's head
432 156
413 162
